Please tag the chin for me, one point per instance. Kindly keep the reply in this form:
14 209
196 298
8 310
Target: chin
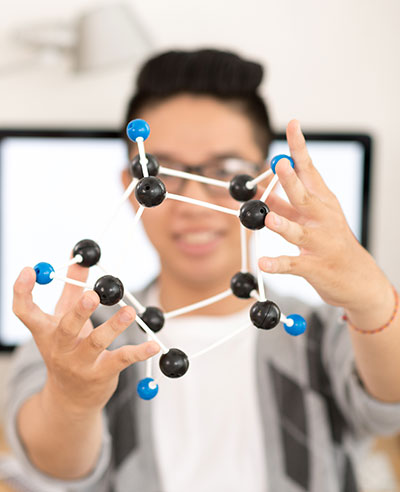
203 267
207 274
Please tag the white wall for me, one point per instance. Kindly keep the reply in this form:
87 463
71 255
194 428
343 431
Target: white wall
332 65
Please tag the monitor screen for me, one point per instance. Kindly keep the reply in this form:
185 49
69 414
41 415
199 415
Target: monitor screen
58 187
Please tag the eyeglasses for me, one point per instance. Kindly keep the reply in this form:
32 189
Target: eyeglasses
221 169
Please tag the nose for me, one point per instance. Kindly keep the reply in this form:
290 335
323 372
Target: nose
194 189
197 191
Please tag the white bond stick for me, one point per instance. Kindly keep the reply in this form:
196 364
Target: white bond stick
258 179
142 156
220 342
243 248
102 268
269 188
284 319
198 305
138 215
149 364
254 295
71 281
194 177
193 201
136 304
118 206
261 288
149 332
72 261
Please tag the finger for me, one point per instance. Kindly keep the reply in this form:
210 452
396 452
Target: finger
102 337
289 230
275 202
295 265
265 182
24 307
305 169
72 322
282 207
112 362
71 293
301 199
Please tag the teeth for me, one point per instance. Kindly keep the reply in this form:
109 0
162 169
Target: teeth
198 237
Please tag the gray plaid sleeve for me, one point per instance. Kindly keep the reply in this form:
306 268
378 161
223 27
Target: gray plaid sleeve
365 414
28 375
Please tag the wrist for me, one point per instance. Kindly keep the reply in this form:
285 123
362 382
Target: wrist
55 402
375 312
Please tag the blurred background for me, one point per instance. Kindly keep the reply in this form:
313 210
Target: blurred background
334 66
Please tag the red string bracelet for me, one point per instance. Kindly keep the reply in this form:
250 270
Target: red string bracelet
371 332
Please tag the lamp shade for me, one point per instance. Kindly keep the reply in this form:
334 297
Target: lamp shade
109 35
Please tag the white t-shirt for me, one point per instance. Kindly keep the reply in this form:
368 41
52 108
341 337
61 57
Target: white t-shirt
206 424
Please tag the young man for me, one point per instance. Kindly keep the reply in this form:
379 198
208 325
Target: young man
263 412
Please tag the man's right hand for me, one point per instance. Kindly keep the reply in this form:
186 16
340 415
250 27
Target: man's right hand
82 373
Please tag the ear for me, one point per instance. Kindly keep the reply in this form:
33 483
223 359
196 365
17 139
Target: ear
126 179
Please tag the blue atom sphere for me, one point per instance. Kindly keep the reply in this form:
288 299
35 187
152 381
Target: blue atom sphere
277 158
299 325
43 271
145 391
137 128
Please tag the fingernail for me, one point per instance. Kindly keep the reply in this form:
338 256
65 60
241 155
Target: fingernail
265 264
299 130
277 220
126 316
24 276
285 165
87 302
288 165
152 348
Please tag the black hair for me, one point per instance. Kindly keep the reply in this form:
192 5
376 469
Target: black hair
220 74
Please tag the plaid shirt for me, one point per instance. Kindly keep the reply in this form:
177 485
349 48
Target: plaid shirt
315 411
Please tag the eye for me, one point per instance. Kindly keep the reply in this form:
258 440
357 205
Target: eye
174 166
233 165
221 172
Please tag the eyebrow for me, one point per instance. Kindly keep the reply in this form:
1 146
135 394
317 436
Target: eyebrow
216 156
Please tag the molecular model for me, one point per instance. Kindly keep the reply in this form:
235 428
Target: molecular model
150 191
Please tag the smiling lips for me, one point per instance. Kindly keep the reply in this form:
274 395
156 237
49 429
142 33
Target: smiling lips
198 243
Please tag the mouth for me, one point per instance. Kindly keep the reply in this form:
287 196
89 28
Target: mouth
198 243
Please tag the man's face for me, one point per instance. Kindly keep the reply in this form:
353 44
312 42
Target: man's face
197 245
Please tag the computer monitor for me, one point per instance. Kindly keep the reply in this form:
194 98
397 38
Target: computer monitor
58 187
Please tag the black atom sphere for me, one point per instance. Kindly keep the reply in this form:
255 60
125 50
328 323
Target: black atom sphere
239 190
150 191
242 283
174 363
153 166
252 214
89 250
109 289
265 315
153 317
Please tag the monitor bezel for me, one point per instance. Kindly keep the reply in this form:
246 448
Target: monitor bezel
364 139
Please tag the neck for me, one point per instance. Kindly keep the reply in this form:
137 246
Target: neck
176 293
